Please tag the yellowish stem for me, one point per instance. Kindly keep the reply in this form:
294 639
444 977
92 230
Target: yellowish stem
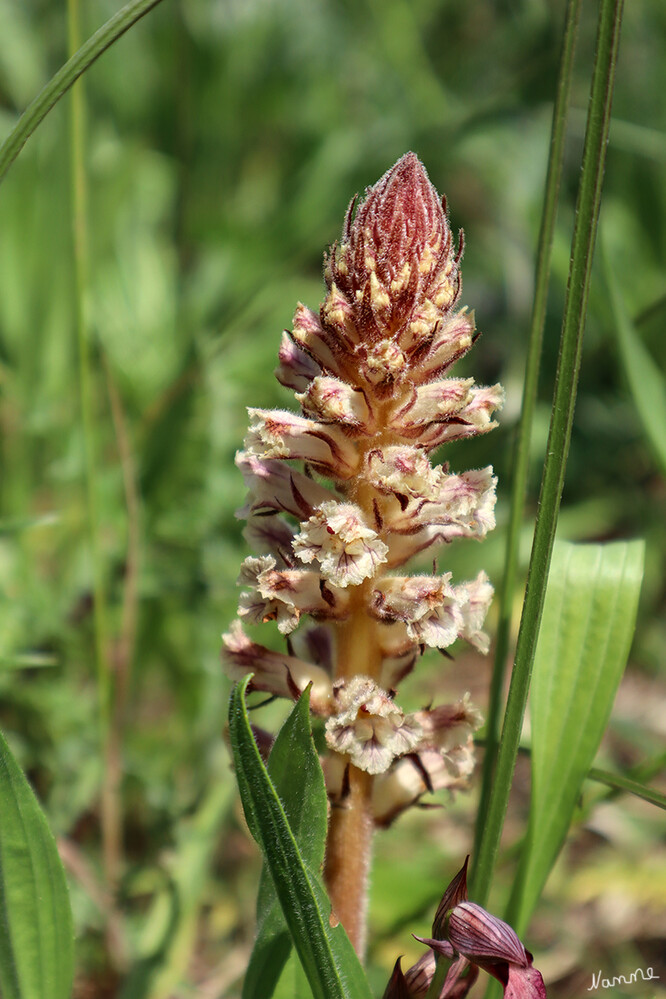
351 826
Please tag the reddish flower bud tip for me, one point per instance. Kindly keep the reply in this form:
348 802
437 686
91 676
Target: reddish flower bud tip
397 986
401 215
454 895
394 274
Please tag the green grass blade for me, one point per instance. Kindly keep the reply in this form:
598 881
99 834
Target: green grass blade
646 382
36 935
296 774
59 84
329 961
521 451
618 782
552 483
586 631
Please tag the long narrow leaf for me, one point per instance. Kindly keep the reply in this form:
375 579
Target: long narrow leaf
559 436
328 959
36 936
646 382
67 75
297 777
586 632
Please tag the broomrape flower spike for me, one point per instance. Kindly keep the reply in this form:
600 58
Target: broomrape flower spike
370 371
471 939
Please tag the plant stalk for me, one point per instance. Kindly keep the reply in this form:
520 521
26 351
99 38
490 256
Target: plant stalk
521 451
575 309
60 83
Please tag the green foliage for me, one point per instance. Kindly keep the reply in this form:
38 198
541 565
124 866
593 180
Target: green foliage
586 632
327 957
646 381
36 934
296 775
224 142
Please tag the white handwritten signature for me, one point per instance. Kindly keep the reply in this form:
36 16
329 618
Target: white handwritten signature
609 983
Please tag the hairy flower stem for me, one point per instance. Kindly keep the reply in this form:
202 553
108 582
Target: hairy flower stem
348 857
351 824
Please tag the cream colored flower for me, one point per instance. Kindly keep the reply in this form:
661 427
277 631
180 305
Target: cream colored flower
368 726
336 536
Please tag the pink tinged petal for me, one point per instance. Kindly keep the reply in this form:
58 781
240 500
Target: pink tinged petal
271 535
459 506
475 598
427 605
403 470
449 725
424 771
419 976
282 675
273 485
278 433
524 983
309 334
296 369
332 400
474 418
433 401
368 727
493 945
483 938
337 537
397 987
451 341
284 595
455 893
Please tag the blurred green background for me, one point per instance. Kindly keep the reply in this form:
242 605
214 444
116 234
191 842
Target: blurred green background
224 141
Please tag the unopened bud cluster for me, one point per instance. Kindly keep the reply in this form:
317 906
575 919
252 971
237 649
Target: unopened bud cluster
343 494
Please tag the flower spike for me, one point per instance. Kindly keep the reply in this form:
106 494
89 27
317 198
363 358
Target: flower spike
344 492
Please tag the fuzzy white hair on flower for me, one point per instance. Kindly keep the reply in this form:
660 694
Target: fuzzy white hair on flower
368 727
336 536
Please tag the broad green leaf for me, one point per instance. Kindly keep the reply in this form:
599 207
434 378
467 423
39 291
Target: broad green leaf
586 632
297 777
329 961
36 935
646 382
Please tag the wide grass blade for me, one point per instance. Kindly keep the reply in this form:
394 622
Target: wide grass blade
329 961
586 631
36 935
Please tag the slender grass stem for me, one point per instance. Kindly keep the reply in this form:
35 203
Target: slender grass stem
79 209
575 309
110 811
60 83
520 463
